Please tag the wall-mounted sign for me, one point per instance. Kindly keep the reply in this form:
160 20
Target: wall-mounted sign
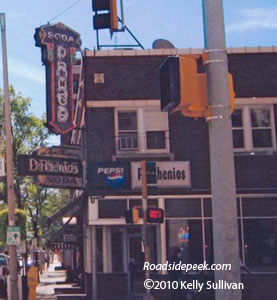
59 44
51 168
109 176
60 182
57 181
71 151
175 174
45 165
70 237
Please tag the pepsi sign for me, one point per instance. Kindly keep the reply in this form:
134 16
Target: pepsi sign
115 176
109 176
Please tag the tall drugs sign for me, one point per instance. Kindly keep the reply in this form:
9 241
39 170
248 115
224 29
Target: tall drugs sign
58 44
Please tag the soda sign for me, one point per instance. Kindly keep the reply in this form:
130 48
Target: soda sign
58 44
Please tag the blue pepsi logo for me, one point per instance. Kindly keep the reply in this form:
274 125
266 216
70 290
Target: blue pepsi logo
116 180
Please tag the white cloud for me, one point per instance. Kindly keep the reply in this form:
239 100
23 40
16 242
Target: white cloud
26 70
252 19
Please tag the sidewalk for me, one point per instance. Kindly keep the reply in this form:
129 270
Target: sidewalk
48 282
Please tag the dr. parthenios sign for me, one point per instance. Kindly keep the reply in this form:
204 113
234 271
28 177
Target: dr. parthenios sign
33 165
58 44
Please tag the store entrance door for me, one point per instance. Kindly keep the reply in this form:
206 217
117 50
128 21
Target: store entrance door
136 261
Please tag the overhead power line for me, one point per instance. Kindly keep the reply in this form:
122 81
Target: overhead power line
64 11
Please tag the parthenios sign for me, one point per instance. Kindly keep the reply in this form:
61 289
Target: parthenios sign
58 45
163 174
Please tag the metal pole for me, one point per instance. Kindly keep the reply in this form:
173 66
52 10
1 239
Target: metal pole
145 229
9 163
225 227
94 286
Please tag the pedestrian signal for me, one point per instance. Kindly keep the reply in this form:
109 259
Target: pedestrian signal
155 215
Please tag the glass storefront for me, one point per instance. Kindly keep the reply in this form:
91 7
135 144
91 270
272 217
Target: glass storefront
257 229
188 226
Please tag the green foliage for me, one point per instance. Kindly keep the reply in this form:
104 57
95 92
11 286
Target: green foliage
29 134
21 218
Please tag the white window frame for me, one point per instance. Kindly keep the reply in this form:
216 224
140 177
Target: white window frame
142 142
134 149
247 129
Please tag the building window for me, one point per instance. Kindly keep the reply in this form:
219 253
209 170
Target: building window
253 129
127 131
260 238
141 130
155 139
186 235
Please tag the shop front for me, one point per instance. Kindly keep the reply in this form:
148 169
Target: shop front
187 225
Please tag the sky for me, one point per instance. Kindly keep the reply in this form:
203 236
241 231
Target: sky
248 23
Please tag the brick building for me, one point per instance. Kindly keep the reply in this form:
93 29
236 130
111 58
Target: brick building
124 125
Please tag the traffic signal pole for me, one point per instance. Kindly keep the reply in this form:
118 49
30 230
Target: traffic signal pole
13 295
145 229
225 227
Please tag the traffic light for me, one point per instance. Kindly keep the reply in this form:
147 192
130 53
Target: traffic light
193 91
184 89
155 215
132 216
107 19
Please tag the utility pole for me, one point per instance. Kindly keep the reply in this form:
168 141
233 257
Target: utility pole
94 277
225 227
145 229
9 163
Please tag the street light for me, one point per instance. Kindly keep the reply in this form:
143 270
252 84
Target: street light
13 290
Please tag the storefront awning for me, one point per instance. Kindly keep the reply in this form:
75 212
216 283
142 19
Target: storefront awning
70 210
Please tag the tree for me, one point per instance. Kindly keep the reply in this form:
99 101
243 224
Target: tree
43 202
28 134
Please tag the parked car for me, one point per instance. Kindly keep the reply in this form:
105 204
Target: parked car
4 270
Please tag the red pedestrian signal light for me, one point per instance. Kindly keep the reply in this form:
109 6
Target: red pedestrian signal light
155 215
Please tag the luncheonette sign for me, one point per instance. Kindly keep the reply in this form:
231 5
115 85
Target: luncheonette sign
163 174
59 44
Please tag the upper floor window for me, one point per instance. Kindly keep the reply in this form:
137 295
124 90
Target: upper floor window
141 130
127 131
253 128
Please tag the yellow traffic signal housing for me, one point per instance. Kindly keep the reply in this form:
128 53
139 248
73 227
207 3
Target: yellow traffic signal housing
132 216
135 213
193 89
190 83
105 20
113 16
